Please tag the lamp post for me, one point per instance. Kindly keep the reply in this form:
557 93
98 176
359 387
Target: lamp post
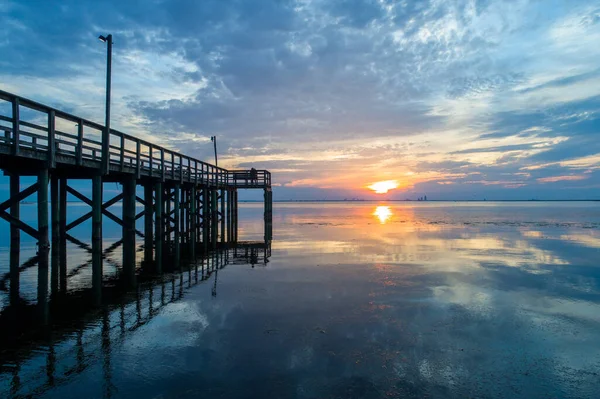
106 133
214 140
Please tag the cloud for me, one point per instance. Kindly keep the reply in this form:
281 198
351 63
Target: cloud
553 179
331 93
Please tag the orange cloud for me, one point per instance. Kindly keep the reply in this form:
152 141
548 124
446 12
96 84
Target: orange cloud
553 179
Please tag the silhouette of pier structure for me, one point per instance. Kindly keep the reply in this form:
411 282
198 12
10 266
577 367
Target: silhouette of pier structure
189 206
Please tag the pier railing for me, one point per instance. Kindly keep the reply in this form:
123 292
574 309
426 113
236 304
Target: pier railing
33 130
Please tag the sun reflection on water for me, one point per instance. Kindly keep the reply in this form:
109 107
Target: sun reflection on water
383 213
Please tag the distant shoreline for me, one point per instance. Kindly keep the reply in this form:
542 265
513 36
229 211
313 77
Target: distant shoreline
411 201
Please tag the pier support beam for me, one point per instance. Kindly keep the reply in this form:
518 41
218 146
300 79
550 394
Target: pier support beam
129 201
97 237
234 217
158 224
214 218
62 236
193 220
205 219
15 239
54 248
268 214
43 242
167 219
177 227
222 213
148 227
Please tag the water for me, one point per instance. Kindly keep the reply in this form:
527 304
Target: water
357 300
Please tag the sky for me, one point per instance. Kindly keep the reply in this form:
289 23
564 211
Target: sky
456 99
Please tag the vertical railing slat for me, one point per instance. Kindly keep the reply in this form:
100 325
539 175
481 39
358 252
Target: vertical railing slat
180 169
151 157
138 148
79 150
172 165
51 154
162 163
15 125
122 151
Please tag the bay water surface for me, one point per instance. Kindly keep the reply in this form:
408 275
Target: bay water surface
350 300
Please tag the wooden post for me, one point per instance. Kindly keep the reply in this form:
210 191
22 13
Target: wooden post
138 166
177 225
193 220
167 225
62 237
162 164
214 218
182 216
205 219
43 243
222 215
158 224
268 215
122 152
97 237
79 148
15 126
15 239
148 228
229 215
151 160
129 186
51 143
227 218
235 215
54 215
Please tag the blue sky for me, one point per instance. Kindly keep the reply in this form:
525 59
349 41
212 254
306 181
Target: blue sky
453 99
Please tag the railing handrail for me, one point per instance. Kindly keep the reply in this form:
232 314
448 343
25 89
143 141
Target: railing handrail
156 158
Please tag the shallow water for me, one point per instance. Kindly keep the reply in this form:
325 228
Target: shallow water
357 300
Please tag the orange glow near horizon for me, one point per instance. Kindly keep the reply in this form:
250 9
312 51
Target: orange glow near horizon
382 187
383 213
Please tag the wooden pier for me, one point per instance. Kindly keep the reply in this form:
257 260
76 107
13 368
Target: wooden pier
189 206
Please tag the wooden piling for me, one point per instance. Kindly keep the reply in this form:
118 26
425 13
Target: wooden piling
177 227
54 249
158 225
193 222
129 186
167 225
62 236
43 242
205 219
97 237
148 228
222 216
214 217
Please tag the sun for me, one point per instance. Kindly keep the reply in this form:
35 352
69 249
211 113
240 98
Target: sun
382 187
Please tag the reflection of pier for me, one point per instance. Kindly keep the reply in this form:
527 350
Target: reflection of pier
189 206
44 350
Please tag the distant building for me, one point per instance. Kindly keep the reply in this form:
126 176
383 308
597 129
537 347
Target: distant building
425 198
